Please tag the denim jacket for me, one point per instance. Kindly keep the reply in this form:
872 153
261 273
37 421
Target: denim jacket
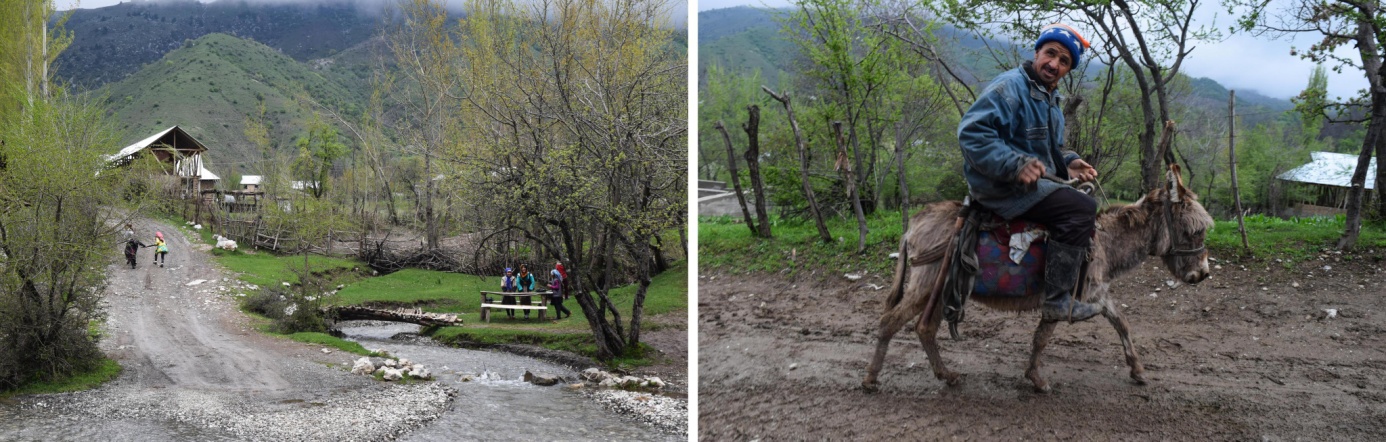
1013 120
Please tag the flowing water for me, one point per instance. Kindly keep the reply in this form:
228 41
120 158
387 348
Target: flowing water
498 404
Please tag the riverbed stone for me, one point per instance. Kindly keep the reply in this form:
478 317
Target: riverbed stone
393 374
363 366
595 375
542 379
417 371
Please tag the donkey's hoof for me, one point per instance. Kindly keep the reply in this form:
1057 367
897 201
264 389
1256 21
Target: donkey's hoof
870 387
951 378
1138 378
1040 385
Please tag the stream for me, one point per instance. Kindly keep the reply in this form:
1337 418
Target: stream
498 404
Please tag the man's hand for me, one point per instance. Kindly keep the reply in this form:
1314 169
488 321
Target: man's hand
1030 172
1081 170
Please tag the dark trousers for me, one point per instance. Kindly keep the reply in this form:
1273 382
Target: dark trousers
508 300
1069 215
558 309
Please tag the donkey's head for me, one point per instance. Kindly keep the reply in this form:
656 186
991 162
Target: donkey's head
1179 227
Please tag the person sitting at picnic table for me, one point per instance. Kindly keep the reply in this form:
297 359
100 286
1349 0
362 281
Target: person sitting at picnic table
526 282
556 298
508 285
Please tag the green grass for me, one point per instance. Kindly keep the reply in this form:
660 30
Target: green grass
107 370
443 291
1293 239
331 341
724 244
727 245
264 268
460 293
668 292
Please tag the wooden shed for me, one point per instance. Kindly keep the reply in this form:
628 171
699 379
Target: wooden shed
179 151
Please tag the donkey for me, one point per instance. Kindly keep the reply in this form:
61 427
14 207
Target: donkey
1166 222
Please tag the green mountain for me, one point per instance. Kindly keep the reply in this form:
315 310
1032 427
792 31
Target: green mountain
113 42
743 39
211 84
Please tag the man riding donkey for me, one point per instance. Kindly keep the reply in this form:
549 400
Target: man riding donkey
1011 138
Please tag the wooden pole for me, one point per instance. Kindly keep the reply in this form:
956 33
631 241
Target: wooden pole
735 179
1232 158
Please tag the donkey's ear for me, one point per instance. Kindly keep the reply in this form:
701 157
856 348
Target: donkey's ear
1176 183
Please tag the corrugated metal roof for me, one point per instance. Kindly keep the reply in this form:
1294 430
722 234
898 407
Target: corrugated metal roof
248 180
1330 169
139 145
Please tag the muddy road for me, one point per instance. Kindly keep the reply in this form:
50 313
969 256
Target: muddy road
194 369
1250 354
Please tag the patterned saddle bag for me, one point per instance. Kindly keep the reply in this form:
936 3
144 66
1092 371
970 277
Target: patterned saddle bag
1010 258
983 262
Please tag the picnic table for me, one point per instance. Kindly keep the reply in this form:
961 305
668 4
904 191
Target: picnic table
487 303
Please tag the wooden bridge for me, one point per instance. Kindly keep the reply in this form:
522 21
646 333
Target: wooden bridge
413 316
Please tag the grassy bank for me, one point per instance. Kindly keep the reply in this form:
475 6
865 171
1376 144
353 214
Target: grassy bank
104 371
725 244
456 293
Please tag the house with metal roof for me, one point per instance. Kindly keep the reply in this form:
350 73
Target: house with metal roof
1330 174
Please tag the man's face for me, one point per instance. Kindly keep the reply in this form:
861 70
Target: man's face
1052 62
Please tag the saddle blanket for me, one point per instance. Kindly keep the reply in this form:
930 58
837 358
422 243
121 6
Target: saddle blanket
1010 260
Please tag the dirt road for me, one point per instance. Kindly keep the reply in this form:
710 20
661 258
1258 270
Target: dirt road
194 369
1250 354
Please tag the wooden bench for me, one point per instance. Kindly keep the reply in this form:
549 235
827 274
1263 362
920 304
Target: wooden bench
487 304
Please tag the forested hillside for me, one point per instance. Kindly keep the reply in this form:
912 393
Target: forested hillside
113 42
210 85
898 85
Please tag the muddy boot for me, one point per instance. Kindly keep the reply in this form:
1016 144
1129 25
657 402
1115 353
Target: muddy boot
1061 272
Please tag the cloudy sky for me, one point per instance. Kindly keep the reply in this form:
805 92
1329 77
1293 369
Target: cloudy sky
1241 62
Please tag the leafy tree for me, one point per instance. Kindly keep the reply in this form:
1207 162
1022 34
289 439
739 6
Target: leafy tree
56 226
1339 22
318 150
577 112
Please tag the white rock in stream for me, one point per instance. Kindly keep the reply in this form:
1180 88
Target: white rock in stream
393 374
363 366
418 371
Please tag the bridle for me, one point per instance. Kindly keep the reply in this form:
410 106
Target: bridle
1174 248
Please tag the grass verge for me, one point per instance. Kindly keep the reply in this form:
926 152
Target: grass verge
105 371
460 294
725 244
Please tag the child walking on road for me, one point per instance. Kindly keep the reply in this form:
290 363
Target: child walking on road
132 246
160 249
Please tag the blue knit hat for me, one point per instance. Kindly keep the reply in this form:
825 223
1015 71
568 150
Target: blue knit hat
1065 35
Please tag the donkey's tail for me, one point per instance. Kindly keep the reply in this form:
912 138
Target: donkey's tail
902 269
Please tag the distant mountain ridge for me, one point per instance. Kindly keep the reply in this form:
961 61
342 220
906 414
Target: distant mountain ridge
116 41
743 38
211 84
